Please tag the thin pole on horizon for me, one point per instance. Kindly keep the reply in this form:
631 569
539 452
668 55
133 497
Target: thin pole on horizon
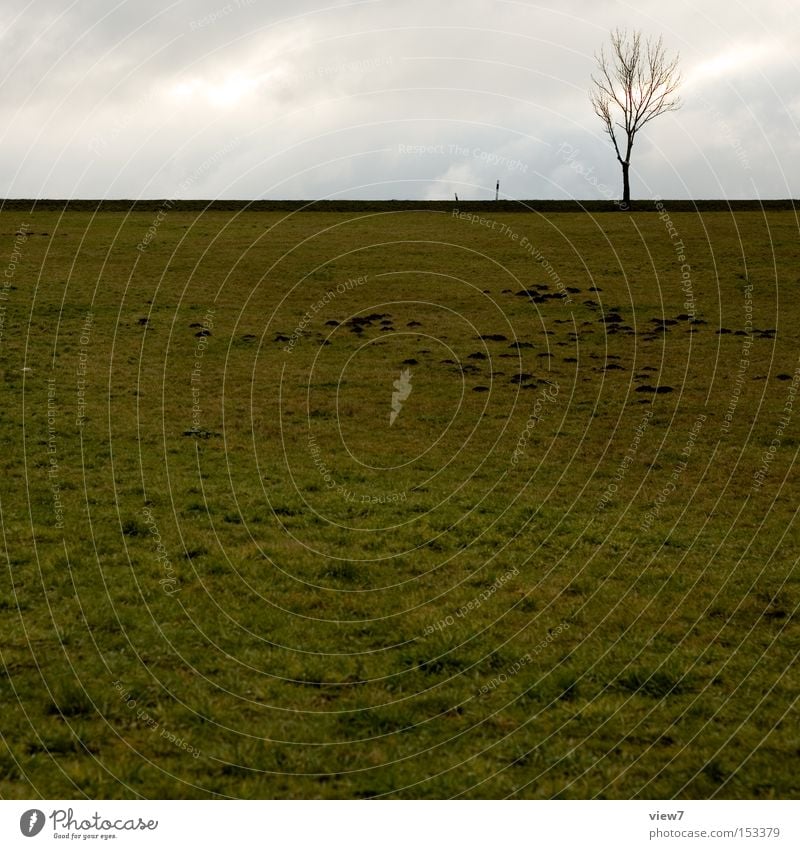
497 191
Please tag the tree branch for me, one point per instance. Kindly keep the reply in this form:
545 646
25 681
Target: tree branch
635 81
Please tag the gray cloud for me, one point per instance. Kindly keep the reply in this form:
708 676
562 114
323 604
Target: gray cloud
249 98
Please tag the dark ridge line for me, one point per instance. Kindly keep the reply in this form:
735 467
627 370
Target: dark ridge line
362 206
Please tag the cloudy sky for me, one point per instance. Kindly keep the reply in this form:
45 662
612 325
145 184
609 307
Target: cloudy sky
385 99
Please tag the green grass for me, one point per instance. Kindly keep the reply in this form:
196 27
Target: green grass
213 619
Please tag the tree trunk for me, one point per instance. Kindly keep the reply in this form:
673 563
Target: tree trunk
626 187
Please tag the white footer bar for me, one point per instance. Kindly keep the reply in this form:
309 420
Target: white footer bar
383 824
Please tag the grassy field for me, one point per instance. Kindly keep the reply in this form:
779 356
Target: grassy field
567 568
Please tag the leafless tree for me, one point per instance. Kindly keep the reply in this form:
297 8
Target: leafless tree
634 84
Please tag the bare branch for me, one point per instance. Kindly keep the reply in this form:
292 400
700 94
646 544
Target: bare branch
634 83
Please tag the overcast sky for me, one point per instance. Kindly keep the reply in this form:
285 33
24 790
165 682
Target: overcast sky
280 99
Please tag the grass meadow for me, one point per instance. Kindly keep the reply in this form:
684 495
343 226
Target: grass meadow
567 568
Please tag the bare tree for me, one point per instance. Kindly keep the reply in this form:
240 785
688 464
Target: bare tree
633 85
